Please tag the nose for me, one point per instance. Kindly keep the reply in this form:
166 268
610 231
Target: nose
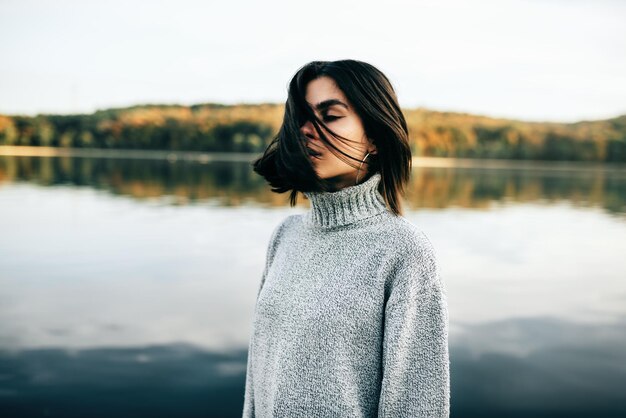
308 129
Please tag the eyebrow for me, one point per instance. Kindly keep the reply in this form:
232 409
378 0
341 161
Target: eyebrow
328 103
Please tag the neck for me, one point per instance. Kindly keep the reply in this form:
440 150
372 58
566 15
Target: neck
341 182
346 206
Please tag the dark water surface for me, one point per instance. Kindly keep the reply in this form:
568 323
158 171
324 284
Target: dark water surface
127 286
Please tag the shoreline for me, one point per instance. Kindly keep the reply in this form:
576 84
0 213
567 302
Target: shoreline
206 157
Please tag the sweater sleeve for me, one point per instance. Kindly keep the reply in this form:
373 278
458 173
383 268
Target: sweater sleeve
248 404
415 360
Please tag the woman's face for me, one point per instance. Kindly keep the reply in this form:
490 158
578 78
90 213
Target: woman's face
339 116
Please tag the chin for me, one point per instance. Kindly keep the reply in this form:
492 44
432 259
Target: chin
337 175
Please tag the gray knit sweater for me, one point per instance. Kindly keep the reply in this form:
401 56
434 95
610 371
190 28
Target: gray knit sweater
351 316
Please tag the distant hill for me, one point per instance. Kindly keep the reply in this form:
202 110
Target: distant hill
216 127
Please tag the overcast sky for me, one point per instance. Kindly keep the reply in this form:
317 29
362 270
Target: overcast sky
559 60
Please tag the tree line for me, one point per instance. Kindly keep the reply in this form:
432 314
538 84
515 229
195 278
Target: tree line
250 128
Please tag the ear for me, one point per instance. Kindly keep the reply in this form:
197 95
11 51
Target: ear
372 148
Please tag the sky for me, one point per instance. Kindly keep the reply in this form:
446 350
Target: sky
532 60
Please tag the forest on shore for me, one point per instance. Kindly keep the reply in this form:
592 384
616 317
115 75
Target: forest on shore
249 128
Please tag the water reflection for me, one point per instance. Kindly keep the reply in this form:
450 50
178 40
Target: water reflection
563 375
153 381
230 183
549 368
127 286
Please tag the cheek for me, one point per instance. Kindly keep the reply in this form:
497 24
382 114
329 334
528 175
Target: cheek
347 128
353 129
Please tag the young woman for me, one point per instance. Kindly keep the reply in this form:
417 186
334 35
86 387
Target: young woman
351 314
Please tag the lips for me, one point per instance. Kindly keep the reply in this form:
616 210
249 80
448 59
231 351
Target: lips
313 153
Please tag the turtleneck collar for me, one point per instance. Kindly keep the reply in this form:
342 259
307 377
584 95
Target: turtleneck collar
345 206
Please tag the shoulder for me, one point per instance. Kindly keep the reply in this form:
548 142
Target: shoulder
414 259
285 224
408 239
279 230
277 235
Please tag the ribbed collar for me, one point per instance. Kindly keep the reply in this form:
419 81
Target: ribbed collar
345 206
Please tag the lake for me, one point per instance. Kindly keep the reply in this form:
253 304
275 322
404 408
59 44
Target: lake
127 285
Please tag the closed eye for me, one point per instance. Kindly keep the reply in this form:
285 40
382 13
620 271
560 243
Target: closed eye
331 118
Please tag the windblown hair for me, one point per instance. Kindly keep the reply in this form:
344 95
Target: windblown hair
286 165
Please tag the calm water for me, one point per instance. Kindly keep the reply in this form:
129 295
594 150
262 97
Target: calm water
127 286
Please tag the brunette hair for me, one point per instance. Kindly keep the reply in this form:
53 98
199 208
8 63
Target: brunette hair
286 165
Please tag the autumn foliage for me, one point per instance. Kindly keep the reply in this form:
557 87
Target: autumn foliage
249 128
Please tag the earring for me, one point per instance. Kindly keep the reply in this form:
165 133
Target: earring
357 172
